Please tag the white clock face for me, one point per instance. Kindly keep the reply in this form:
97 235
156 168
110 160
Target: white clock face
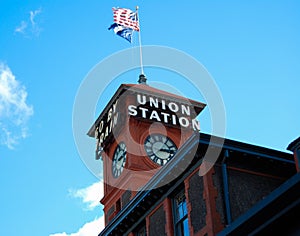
119 160
160 148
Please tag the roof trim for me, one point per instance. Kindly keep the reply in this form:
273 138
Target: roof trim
293 145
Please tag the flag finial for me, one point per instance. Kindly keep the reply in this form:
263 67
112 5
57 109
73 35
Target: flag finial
142 79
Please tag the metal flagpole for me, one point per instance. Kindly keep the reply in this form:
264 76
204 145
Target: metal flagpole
140 42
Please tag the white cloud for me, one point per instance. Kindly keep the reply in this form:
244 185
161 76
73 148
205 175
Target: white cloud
91 228
30 27
90 195
33 15
14 110
21 28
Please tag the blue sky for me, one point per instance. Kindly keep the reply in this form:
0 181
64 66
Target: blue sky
47 48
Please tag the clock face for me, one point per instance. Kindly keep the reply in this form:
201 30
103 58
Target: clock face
160 148
119 160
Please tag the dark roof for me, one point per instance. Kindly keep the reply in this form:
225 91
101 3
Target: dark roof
246 148
151 193
265 212
293 145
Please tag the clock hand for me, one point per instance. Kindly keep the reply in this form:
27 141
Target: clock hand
167 150
121 156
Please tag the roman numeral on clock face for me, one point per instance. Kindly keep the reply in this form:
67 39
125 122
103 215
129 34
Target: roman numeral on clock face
159 148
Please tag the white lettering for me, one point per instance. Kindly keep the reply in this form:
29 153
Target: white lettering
166 115
184 121
143 102
106 133
132 110
101 126
101 139
163 104
108 123
109 114
186 110
110 126
115 106
155 115
174 119
196 124
154 111
173 107
153 102
143 111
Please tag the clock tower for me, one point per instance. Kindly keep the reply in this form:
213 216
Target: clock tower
138 132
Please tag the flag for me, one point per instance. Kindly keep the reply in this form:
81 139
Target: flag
126 18
122 31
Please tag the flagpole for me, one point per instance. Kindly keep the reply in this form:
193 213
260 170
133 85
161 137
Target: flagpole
140 42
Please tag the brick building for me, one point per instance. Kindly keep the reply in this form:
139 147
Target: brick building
159 178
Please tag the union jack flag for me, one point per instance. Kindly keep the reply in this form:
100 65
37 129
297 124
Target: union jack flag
126 18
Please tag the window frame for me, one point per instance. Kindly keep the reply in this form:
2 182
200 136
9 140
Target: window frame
179 221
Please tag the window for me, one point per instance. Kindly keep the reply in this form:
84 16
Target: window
181 215
141 230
